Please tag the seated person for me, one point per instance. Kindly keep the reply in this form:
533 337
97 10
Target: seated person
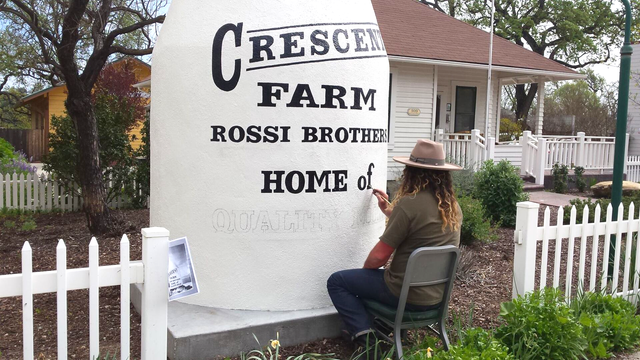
424 213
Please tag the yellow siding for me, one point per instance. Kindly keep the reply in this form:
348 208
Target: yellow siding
57 97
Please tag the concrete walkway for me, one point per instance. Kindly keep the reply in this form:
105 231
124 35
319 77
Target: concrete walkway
551 198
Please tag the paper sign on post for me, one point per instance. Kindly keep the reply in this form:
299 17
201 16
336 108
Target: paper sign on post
182 277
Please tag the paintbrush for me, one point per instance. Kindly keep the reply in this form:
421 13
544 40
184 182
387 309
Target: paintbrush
385 199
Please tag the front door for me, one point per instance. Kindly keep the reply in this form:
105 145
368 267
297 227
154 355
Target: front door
465 117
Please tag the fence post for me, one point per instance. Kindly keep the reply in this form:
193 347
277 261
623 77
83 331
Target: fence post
439 135
524 256
155 293
626 153
524 142
540 161
491 148
473 155
580 158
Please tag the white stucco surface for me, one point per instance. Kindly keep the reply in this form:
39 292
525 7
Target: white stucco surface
255 247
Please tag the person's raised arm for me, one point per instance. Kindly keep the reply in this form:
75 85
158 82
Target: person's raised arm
378 256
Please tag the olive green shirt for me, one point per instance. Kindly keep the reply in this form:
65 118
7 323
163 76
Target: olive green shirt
415 222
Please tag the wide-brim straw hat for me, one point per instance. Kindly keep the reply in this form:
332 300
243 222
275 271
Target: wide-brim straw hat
427 154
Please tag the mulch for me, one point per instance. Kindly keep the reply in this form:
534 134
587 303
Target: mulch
484 281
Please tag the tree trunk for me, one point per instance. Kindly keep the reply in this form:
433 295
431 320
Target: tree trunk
80 110
524 99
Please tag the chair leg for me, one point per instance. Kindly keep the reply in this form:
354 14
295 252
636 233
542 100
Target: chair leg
443 335
397 336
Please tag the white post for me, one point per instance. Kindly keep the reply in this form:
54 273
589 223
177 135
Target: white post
474 153
540 115
580 156
439 135
540 161
524 142
155 293
27 302
626 153
491 148
524 256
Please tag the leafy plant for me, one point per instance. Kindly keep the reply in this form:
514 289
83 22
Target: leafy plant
17 163
609 323
580 204
499 188
474 344
560 178
6 149
9 224
541 326
29 225
581 183
463 182
272 352
476 224
510 130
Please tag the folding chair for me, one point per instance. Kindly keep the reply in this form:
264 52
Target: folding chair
427 266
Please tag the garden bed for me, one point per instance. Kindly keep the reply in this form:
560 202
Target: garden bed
485 280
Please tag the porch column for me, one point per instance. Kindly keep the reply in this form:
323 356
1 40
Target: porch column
540 112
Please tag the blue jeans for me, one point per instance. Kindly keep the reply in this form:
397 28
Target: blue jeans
347 287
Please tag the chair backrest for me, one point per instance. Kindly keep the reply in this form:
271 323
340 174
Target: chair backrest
429 266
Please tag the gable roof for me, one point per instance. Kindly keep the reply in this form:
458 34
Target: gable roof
415 30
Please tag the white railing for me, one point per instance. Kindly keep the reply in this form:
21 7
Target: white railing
590 152
151 272
533 160
467 150
633 168
32 193
587 246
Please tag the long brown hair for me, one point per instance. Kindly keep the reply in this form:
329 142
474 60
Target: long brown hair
440 183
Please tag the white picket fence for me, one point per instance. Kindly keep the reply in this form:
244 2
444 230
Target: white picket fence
40 193
537 153
467 150
592 238
633 168
151 272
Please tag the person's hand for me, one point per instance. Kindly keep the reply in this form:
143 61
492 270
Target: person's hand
383 201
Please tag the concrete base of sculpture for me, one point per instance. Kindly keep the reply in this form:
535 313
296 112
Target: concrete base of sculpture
203 333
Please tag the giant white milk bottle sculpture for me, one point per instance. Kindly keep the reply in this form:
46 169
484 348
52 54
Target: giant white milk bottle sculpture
268 123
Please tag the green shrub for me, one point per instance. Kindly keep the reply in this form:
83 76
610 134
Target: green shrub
560 178
604 203
541 326
475 344
9 224
609 323
510 130
6 150
463 182
581 183
29 225
476 225
499 188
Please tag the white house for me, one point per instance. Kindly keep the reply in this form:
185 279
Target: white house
633 124
439 70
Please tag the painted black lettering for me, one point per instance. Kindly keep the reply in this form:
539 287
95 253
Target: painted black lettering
285 133
357 34
253 134
380 38
330 95
270 134
316 41
309 134
289 180
236 134
341 135
359 93
268 181
261 44
268 92
313 178
354 134
336 40
302 93
374 40
218 133
290 44
325 134
339 180
216 68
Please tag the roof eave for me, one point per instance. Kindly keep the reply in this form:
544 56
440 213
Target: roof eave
554 75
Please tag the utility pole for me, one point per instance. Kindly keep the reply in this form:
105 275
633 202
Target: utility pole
621 123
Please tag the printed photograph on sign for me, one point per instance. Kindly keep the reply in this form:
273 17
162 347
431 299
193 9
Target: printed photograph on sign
182 277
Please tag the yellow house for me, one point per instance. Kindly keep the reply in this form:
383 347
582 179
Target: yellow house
50 102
